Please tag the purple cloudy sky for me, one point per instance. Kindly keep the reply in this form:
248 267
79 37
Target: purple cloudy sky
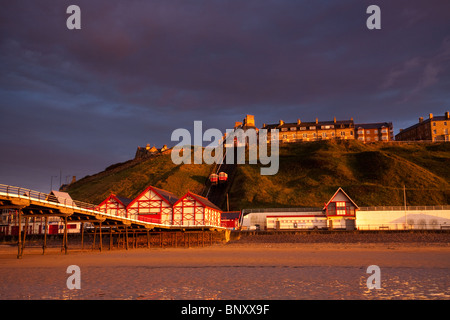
81 100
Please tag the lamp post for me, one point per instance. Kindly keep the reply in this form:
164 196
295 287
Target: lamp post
51 182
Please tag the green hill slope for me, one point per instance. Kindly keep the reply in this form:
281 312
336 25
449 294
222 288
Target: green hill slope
129 179
309 174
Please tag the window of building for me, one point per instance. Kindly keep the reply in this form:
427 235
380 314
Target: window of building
283 129
351 133
434 124
302 128
375 131
342 133
445 123
293 128
376 138
361 139
434 131
324 135
383 130
445 131
340 208
305 135
368 131
312 128
384 138
284 136
294 136
360 131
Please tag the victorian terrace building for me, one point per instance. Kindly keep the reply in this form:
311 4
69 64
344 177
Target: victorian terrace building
371 132
313 131
431 129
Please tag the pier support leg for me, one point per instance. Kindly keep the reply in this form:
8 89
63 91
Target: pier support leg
82 236
110 238
100 236
95 233
65 235
148 239
25 234
44 245
126 237
19 238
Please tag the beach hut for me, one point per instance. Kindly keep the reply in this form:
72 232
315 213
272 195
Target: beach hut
341 211
114 205
61 198
193 210
153 205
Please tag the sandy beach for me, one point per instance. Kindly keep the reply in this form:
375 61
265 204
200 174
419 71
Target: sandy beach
244 269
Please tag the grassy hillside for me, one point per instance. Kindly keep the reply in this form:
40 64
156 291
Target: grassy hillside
129 179
309 174
372 174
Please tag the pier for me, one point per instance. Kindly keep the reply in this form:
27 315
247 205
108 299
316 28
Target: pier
33 204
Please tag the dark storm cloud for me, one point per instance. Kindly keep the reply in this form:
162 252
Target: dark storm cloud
137 70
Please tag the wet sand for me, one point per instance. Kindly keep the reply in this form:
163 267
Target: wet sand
237 270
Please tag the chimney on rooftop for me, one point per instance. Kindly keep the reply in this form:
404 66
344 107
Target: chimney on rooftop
299 121
420 119
281 122
447 116
431 116
317 120
334 119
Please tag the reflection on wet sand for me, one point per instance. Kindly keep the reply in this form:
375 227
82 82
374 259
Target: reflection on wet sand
280 272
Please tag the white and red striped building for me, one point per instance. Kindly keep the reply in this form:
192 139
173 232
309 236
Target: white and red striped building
194 210
153 205
114 205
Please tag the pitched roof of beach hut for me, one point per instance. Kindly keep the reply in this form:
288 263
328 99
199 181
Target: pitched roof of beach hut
165 195
204 201
60 197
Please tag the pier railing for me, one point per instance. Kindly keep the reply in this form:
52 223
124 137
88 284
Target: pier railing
24 193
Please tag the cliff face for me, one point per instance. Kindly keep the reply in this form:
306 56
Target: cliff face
309 174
